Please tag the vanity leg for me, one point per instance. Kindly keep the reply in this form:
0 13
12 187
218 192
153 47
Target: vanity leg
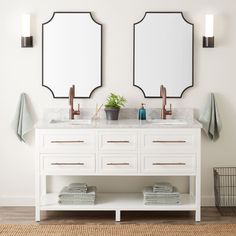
117 215
37 214
198 198
192 186
198 215
198 179
37 202
44 184
37 181
37 196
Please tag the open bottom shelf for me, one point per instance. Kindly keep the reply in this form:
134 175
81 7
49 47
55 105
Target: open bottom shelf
117 201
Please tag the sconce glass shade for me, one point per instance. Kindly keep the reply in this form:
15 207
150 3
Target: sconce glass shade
209 26
25 25
208 38
26 38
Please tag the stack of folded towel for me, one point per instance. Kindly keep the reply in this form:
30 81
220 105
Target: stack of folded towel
77 194
161 193
162 188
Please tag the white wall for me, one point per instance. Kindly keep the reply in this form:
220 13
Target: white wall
20 71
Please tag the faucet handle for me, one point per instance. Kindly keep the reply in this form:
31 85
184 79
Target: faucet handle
77 112
170 111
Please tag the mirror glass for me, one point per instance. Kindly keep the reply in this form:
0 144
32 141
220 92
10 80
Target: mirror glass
72 54
163 54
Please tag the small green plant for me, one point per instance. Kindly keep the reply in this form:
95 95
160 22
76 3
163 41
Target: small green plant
115 101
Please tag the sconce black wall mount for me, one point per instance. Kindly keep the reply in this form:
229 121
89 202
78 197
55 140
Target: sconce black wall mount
27 42
208 42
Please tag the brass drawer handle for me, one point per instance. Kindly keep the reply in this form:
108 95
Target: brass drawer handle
67 164
169 164
169 141
118 164
72 141
118 141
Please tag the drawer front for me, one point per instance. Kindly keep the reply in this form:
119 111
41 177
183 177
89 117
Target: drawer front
117 163
57 143
170 164
62 163
168 141
118 141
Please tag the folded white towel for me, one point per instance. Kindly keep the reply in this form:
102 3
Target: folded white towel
77 185
148 192
78 188
62 202
66 192
155 198
162 187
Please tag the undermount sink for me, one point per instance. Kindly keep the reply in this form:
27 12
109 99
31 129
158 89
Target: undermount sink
72 122
152 121
168 122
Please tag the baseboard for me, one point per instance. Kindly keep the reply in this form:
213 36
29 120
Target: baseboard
29 201
17 201
208 201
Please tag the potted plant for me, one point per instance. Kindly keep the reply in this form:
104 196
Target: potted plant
113 105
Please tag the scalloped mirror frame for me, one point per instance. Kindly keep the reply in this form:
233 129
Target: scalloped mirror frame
50 75
146 72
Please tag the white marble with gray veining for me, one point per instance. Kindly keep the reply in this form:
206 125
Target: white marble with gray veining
127 119
125 113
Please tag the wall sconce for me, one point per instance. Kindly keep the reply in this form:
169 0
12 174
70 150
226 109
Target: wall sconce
26 38
208 39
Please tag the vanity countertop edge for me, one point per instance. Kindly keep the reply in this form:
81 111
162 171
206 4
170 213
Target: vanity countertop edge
119 124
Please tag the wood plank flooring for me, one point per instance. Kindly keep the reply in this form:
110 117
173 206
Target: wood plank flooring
25 215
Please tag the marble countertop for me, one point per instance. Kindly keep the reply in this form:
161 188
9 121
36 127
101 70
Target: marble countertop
118 124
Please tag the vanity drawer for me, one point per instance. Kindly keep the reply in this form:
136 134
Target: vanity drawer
68 142
73 162
168 141
117 141
117 163
169 164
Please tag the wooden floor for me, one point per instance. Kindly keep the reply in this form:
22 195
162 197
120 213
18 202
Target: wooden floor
25 215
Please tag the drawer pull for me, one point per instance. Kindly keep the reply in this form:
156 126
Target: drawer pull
72 141
67 164
169 141
169 164
118 142
118 164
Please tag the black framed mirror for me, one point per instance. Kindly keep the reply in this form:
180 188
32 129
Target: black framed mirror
163 54
72 54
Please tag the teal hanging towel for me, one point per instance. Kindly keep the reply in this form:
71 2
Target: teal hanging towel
210 119
23 122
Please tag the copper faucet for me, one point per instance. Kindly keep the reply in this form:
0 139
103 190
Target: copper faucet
164 112
72 112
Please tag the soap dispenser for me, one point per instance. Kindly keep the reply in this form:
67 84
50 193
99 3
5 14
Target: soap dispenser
142 112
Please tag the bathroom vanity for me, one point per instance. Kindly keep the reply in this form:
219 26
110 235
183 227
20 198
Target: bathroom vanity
118 148
126 147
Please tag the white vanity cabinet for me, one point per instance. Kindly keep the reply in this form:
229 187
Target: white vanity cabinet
109 151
